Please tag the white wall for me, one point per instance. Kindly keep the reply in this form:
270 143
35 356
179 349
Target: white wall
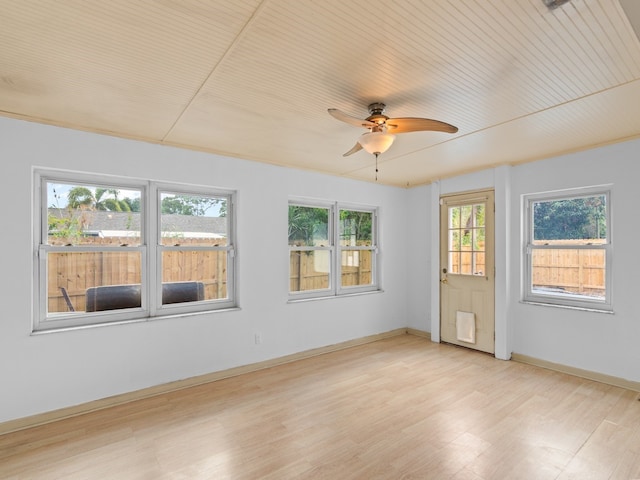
419 258
597 342
39 373
592 341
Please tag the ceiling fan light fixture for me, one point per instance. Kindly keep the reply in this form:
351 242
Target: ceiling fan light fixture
376 142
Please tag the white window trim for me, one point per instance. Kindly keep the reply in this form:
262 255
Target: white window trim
150 248
335 252
352 289
157 309
566 300
325 292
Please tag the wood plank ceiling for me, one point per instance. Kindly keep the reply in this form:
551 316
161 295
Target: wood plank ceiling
253 79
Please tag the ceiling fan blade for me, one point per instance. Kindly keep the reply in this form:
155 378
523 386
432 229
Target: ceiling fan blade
410 124
356 148
343 117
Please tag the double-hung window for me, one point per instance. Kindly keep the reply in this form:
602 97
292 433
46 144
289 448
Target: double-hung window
113 249
332 249
568 249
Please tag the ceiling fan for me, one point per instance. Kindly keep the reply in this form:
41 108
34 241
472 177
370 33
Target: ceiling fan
381 129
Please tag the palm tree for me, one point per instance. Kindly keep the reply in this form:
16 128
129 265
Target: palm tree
82 198
110 204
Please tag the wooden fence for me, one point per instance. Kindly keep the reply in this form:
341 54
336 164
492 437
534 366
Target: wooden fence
310 272
75 272
467 262
580 271
574 271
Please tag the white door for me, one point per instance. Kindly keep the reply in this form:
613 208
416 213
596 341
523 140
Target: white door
467 270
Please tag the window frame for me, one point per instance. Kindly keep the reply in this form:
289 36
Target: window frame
566 300
150 249
335 288
373 248
157 188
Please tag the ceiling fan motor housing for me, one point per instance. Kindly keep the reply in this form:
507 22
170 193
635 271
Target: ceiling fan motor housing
377 108
376 111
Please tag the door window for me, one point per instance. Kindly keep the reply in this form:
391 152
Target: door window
466 239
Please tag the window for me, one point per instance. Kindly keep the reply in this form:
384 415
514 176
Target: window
332 250
568 249
113 250
356 249
466 239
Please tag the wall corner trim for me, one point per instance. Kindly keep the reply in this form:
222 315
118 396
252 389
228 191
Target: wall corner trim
419 333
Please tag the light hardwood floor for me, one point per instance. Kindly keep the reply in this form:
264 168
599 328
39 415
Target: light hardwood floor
400 408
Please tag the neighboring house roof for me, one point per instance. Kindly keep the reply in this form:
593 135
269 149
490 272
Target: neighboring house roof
123 224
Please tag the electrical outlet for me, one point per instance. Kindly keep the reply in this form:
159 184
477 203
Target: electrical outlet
258 338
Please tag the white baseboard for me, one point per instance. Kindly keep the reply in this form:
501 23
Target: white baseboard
55 415
67 412
577 372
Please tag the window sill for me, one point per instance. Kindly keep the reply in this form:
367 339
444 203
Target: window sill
328 297
46 331
568 307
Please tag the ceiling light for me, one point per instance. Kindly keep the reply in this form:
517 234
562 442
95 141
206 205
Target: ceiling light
376 142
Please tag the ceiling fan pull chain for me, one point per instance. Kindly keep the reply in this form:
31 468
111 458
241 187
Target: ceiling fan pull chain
376 167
